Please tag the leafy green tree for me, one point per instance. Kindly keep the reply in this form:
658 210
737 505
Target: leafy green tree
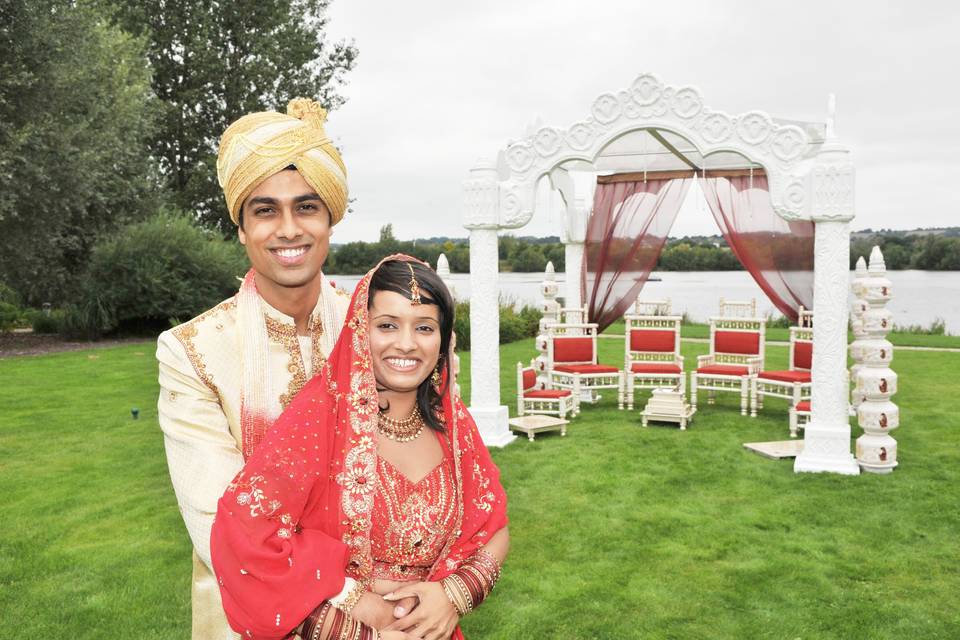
216 61
75 113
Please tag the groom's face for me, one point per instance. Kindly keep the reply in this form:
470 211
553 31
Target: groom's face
286 230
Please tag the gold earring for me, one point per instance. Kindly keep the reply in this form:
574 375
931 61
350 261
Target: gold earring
436 378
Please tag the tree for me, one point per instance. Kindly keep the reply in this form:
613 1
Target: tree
216 61
75 112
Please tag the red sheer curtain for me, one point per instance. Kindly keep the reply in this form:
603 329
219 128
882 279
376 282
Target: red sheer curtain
625 235
777 253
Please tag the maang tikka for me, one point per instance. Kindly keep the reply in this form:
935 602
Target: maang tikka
414 287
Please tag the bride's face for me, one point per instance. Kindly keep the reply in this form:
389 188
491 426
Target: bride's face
404 341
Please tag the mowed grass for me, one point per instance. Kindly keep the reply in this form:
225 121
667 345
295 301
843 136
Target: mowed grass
617 531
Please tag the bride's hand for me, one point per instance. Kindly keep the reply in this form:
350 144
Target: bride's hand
400 607
434 618
398 635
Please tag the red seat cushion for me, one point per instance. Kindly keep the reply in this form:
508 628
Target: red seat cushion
724 370
573 349
803 405
803 355
785 376
654 367
586 368
652 340
745 342
547 393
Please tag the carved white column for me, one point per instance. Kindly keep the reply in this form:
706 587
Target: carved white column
857 310
876 382
551 315
574 234
481 217
827 435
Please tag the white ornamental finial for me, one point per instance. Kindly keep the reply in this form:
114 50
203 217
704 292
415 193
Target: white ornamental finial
877 265
861 269
550 273
831 116
443 267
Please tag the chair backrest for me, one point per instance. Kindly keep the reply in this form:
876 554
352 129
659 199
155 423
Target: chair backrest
736 340
526 378
801 348
572 343
650 308
573 315
738 308
805 318
651 338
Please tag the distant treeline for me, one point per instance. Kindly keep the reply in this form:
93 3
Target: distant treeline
938 251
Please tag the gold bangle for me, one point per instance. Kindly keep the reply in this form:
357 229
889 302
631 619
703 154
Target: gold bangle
353 597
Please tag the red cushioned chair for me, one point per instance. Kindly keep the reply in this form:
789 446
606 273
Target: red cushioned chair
572 361
652 354
533 398
792 384
799 416
736 356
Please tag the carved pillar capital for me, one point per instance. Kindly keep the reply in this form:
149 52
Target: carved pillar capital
481 196
832 184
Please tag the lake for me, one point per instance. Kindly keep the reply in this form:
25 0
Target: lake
919 297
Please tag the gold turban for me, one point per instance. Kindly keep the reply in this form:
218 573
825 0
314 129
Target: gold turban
259 145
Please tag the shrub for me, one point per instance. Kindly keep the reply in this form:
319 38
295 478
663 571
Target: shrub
151 272
46 322
513 325
9 316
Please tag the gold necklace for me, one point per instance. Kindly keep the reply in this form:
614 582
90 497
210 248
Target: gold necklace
403 429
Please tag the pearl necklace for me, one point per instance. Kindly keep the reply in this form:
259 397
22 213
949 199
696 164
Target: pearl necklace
402 430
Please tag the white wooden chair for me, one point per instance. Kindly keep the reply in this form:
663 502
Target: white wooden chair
738 308
650 308
533 399
573 315
792 384
805 318
651 356
572 361
736 355
799 416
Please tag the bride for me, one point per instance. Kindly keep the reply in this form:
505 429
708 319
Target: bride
372 508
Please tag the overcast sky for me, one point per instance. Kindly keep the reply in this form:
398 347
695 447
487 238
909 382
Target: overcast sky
439 84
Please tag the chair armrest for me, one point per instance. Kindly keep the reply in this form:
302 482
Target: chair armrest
755 364
705 361
678 360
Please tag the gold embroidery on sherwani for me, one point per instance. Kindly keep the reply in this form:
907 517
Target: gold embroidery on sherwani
286 335
186 333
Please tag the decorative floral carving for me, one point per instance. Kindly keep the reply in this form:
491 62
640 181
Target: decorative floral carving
754 127
794 195
547 141
580 136
519 156
687 102
646 89
716 127
788 143
606 108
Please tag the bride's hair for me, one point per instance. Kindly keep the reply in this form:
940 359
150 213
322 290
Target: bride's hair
394 275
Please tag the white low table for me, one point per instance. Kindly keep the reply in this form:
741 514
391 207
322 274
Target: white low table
668 405
532 425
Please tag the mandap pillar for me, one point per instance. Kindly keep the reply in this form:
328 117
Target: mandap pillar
826 443
574 235
481 218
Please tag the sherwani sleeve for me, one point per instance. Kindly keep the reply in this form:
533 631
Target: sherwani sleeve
202 454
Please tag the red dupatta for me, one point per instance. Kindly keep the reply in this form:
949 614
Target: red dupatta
296 520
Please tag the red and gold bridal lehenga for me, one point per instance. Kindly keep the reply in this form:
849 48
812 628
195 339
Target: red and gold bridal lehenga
315 503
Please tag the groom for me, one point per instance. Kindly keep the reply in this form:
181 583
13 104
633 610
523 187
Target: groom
226 375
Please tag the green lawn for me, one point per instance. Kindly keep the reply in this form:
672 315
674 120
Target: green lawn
617 531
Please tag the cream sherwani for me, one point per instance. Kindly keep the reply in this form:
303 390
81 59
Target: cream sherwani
199 409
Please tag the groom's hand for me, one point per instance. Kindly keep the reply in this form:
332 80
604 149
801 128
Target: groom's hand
373 611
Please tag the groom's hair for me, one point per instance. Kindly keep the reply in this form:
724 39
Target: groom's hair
394 275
